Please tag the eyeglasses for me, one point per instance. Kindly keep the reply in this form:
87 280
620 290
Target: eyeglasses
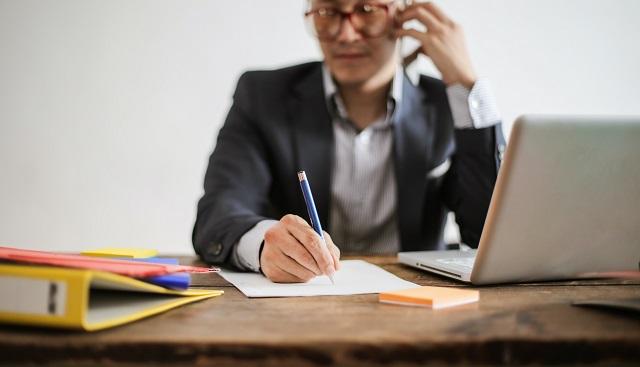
369 19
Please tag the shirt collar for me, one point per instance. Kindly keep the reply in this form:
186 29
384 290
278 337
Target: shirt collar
335 104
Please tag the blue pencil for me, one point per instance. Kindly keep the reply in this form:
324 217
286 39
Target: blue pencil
311 208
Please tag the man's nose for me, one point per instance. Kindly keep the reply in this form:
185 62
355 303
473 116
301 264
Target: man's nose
347 32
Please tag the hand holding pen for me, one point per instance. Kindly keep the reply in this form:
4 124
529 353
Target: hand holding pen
294 252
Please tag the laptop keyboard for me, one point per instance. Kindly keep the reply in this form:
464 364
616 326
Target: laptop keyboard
465 262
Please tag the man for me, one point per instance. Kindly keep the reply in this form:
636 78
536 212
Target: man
387 160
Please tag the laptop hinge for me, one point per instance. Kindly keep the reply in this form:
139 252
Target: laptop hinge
436 270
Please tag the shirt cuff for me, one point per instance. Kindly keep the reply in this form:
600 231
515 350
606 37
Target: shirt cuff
246 253
475 108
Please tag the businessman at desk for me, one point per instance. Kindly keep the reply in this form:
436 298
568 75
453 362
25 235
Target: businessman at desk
387 159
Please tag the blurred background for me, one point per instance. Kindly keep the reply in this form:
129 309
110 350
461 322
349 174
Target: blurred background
110 109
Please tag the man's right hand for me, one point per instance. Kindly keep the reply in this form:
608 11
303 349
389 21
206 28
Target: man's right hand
293 252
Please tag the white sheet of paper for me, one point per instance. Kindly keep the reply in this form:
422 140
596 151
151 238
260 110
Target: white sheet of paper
354 277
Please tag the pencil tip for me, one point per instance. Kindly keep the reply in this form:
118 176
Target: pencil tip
331 279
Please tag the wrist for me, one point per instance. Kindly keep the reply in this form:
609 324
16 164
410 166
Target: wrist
467 81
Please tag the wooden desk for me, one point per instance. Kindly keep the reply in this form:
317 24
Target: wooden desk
515 324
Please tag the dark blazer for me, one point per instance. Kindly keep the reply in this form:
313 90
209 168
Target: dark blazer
279 124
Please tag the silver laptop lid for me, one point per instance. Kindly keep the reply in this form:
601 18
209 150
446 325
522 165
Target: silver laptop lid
567 201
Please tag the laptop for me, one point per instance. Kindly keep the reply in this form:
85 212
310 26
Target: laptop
566 205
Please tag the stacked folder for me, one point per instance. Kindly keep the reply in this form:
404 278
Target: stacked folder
90 293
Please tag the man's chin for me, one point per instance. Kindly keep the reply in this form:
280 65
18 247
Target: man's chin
350 77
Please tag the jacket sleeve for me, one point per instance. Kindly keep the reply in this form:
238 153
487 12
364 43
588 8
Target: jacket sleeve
470 181
236 182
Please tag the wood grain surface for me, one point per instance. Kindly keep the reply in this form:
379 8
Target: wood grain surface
510 325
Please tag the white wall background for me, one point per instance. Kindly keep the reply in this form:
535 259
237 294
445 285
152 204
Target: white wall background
109 109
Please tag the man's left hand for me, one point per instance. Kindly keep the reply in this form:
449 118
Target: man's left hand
443 42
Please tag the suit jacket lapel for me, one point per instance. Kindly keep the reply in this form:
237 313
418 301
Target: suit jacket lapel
313 141
313 145
413 134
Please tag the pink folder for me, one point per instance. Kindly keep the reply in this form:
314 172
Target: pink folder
123 267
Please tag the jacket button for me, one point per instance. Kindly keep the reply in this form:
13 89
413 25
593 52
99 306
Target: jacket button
215 249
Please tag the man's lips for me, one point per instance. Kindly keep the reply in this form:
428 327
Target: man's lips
350 55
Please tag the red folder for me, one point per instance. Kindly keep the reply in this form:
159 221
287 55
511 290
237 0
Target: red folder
129 268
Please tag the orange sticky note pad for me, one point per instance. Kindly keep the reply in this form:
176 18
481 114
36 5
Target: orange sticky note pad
431 297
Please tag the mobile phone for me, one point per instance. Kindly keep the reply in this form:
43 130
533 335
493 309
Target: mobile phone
401 42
